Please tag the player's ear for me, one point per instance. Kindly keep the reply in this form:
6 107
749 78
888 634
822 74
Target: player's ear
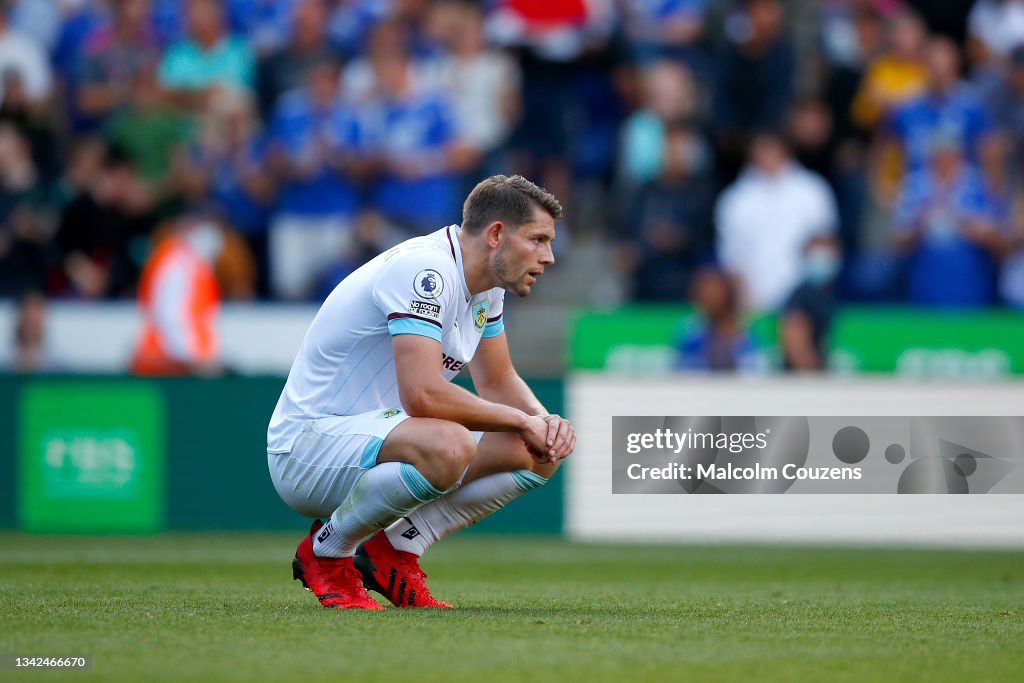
495 232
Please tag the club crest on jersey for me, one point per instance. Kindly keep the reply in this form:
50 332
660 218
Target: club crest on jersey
480 315
428 284
388 413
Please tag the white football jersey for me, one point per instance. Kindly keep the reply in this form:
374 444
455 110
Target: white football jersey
345 365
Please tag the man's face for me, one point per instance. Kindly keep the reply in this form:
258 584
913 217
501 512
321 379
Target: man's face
711 294
392 75
766 17
943 63
134 13
323 83
524 253
907 37
204 19
768 154
310 19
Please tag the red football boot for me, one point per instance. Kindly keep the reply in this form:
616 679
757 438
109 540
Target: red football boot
333 580
395 574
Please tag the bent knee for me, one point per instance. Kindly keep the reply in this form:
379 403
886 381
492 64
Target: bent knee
451 450
442 452
461 443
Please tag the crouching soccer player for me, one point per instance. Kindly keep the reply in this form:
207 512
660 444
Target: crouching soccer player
370 433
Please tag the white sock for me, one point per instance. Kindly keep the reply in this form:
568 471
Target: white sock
382 494
421 528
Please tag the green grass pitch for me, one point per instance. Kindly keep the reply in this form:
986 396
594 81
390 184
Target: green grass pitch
223 607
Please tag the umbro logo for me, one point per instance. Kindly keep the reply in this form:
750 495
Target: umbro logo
411 533
325 532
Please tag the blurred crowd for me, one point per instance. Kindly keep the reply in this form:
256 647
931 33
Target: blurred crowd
777 156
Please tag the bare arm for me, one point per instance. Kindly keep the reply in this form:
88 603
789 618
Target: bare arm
795 332
496 379
425 393
985 234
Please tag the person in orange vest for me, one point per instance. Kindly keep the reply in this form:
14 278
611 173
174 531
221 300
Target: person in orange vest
179 297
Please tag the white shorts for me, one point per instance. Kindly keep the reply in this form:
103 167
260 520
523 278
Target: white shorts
328 458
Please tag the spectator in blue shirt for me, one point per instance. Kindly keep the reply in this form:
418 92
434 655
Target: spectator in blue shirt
267 24
112 58
207 59
947 109
311 227
409 129
264 24
947 225
78 23
664 28
351 22
715 338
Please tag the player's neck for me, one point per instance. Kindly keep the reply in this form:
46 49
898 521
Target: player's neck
475 265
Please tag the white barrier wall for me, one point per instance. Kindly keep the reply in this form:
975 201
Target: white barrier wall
100 337
593 513
256 338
